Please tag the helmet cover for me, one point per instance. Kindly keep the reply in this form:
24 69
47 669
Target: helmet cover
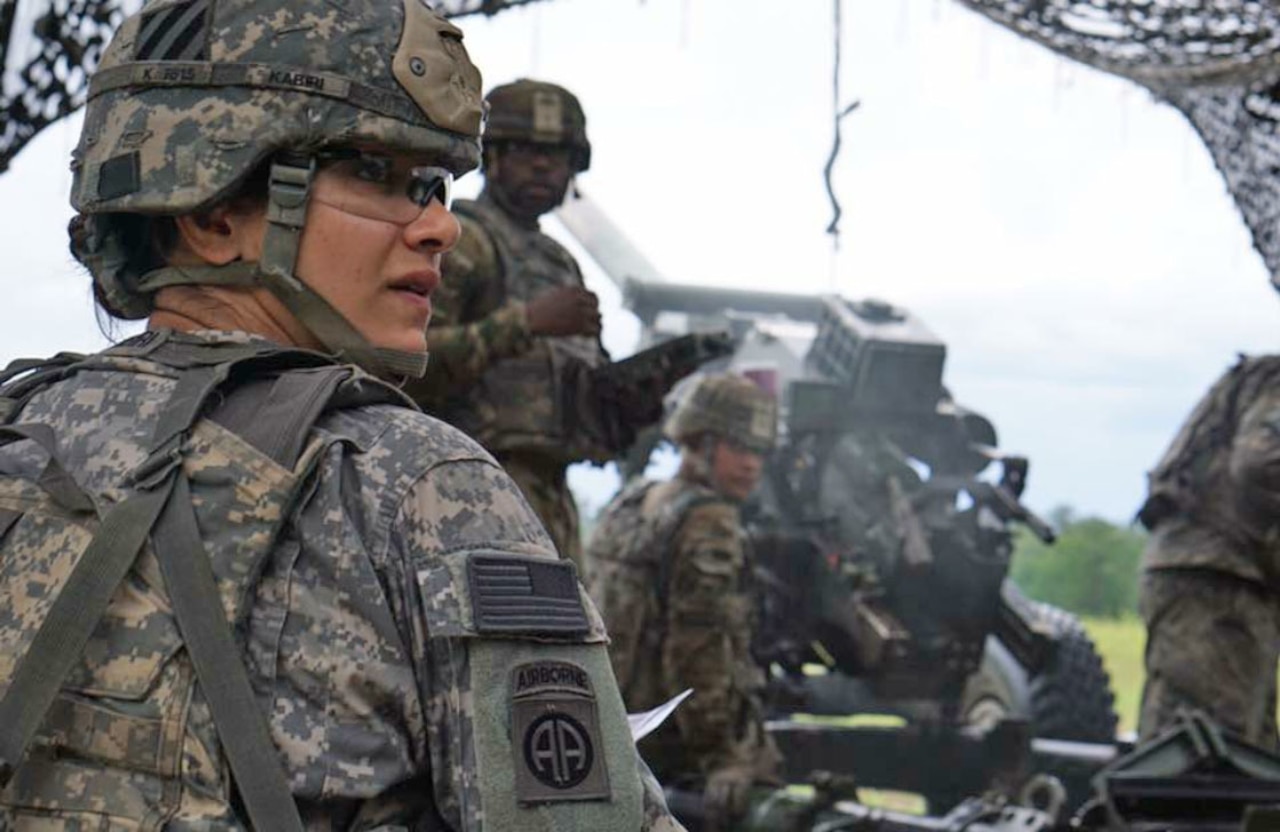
538 112
729 407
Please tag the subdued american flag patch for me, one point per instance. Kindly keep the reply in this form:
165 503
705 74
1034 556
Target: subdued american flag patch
513 594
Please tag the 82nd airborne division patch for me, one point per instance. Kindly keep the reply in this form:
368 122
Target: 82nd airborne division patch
556 734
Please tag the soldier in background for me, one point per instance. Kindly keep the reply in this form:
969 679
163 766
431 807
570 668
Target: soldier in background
515 332
669 567
1210 592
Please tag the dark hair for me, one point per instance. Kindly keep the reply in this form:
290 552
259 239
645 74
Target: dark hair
148 240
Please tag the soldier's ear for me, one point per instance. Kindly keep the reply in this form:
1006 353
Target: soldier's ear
220 235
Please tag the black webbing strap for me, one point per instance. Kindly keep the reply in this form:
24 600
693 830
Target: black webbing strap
242 729
72 618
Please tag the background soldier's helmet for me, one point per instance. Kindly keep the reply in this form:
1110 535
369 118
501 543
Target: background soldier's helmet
537 111
727 406
193 96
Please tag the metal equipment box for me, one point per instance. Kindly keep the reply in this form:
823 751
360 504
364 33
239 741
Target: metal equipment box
881 354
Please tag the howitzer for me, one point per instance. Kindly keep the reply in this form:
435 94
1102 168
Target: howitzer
884 548
883 558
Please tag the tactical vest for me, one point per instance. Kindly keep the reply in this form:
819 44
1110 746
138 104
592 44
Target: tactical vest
133 728
628 573
534 402
1193 509
208 448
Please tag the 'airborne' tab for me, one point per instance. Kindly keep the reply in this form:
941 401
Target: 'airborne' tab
558 747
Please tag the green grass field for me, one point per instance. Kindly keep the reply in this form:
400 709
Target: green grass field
1121 642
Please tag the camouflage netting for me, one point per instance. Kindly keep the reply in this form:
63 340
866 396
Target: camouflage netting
1218 61
462 8
48 48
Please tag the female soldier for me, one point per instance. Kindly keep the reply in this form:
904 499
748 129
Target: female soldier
261 178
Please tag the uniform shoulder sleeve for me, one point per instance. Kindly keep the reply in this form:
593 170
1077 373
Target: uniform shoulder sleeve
708 630
458 506
491 693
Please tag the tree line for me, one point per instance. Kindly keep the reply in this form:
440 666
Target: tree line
1092 569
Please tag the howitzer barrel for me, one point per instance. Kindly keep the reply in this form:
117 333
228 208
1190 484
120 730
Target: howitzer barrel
646 300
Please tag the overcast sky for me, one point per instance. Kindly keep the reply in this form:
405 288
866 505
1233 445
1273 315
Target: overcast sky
1065 235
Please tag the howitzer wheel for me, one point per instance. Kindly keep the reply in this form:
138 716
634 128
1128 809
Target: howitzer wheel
1069 698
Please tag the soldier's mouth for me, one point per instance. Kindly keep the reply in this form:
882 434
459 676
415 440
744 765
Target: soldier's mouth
421 283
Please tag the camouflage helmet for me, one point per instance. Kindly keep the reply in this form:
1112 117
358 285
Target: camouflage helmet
729 407
192 96
540 112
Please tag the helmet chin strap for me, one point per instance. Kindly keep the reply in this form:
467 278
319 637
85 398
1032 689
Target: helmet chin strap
288 194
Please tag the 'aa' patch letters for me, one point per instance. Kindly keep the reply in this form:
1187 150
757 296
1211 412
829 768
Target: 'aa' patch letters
556 734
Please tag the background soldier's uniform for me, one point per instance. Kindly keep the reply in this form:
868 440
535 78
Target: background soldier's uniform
511 391
669 569
1210 591
387 700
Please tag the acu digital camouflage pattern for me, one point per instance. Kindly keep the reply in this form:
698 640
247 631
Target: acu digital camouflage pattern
1211 589
193 95
354 621
61 35
670 570
525 399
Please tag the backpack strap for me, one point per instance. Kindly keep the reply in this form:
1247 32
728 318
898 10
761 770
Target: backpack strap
39 373
278 425
242 728
277 420
72 618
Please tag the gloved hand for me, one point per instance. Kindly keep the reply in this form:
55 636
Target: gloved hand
726 795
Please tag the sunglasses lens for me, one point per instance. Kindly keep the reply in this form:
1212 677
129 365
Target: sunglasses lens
372 186
426 184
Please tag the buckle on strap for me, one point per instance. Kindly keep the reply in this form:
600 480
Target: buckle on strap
288 189
157 467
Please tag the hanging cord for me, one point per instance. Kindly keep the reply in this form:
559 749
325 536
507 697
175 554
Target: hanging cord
839 111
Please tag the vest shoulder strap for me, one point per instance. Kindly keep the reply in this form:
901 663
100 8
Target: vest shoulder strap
269 396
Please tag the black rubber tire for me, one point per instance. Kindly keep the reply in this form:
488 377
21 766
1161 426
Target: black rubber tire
1071 696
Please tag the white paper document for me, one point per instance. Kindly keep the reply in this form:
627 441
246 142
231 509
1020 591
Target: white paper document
645 723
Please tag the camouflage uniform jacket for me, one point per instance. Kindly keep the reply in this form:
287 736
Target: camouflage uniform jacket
512 392
393 706
1214 498
669 568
